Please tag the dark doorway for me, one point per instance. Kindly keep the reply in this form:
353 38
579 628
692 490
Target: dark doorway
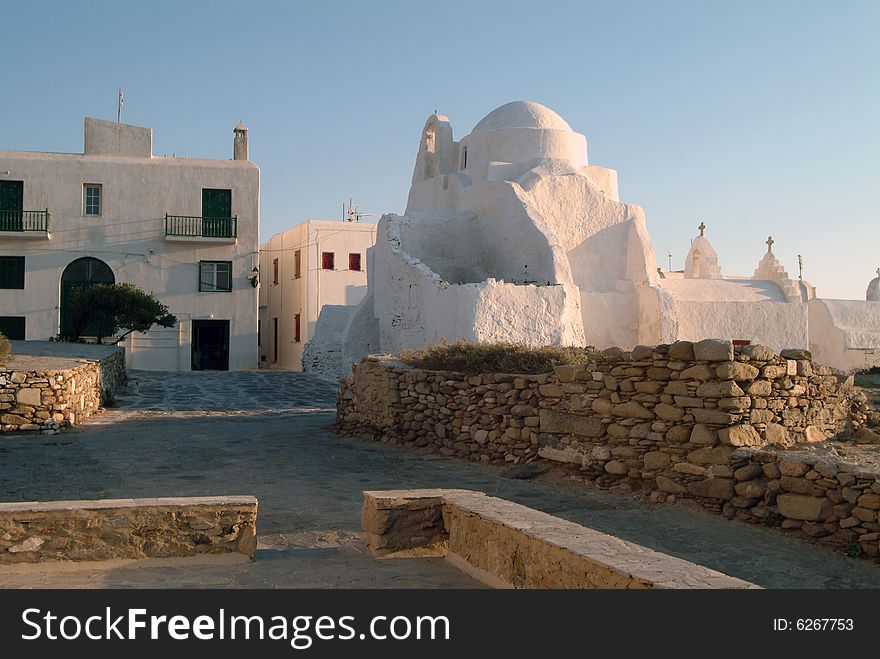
216 213
77 276
210 345
274 339
11 205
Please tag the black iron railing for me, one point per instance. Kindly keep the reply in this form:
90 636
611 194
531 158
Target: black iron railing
201 227
24 221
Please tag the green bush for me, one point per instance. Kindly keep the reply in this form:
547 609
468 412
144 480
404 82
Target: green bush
104 309
5 349
467 357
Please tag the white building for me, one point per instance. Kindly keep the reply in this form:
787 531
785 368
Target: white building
185 229
511 235
314 266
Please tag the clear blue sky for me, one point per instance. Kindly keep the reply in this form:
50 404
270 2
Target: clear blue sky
757 117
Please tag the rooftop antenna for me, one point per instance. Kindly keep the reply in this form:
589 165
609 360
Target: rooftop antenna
353 214
120 101
669 255
800 267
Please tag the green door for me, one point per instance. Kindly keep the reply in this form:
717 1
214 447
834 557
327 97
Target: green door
216 213
11 205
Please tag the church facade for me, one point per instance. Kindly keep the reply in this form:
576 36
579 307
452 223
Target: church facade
509 234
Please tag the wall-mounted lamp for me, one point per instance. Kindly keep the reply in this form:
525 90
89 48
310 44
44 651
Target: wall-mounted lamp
255 277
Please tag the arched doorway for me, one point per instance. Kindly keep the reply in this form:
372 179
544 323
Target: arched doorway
77 276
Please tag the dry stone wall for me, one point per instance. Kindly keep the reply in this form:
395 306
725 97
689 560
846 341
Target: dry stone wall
699 420
126 528
46 394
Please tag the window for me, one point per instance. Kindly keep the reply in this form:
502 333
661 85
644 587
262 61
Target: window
464 157
274 271
91 199
354 262
297 264
215 276
296 335
12 327
328 260
11 272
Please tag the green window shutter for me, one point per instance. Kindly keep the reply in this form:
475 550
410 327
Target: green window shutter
11 205
11 272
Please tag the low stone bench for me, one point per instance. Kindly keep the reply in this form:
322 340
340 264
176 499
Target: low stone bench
105 529
509 545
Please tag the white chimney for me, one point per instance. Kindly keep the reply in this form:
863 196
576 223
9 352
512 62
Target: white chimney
240 143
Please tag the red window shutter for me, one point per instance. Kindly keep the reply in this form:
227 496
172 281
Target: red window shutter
327 260
354 262
296 335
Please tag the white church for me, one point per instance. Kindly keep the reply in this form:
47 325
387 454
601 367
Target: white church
509 234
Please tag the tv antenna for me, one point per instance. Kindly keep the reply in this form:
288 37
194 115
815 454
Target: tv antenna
120 101
669 256
353 214
800 267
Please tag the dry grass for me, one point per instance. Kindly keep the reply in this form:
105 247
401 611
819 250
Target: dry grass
467 357
5 349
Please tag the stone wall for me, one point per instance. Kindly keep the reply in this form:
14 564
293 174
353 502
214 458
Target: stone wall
41 393
509 545
698 421
126 528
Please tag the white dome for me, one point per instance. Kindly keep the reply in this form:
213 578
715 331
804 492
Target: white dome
873 292
522 114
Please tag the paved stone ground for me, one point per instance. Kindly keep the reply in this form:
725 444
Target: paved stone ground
309 483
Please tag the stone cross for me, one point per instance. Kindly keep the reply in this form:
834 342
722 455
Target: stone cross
770 242
702 227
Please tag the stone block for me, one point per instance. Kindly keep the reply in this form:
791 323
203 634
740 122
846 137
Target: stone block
564 423
805 508
736 371
713 350
668 412
633 410
665 484
758 353
28 396
678 434
702 434
725 389
602 406
682 351
712 488
616 467
775 434
711 455
792 468
740 435
550 390
698 372
813 434
714 417
569 372
796 353
656 460
803 486
759 388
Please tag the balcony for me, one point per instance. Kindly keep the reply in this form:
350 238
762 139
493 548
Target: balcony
193 229
29 225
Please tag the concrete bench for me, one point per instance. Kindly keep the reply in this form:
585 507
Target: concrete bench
508 545
105 529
